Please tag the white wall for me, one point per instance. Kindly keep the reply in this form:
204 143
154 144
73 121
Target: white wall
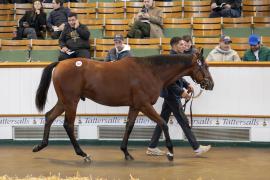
238 90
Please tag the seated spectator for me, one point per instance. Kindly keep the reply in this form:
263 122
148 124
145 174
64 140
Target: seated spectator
120 50
74 40
223 51
65 1
190 49
147 23
33 23
5 1
57 19
257 52
19 1
225 8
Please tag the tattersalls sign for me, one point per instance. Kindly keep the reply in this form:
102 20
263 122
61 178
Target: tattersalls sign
141 120
230 121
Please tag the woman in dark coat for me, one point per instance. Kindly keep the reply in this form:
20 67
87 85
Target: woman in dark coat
33 23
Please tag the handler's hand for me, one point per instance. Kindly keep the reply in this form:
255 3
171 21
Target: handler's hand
190 89
185 95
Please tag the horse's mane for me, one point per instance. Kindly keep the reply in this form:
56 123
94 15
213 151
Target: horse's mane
160 60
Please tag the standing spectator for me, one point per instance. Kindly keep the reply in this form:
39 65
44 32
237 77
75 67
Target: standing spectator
120 50
190 49
172 104
223 51
74 40
33 23
148 22
257 52
57 19
225 8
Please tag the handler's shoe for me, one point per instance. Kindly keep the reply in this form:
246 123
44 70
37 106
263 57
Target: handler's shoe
155 152
202 149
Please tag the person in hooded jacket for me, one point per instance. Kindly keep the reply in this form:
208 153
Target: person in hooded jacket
120 50
223 51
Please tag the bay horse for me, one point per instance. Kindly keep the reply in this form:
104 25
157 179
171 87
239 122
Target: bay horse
134 81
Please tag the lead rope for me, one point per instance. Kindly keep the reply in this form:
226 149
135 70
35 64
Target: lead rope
190 106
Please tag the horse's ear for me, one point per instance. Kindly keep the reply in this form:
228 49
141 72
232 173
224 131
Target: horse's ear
201 51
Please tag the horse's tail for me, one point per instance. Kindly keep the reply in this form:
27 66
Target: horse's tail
44 85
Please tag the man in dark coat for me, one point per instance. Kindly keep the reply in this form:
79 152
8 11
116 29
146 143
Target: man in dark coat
57 19
33 23
225 8
172 104
74 40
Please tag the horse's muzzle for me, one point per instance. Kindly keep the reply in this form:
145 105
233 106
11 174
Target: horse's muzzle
207 84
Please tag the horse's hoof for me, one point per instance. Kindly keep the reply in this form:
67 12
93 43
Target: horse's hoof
129 158
170 156
36 148
87 159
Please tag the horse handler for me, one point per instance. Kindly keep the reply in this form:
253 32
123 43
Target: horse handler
172 104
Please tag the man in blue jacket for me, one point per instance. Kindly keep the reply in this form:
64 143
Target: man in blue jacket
172 104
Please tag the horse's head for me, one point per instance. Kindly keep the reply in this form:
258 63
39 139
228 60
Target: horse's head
200 72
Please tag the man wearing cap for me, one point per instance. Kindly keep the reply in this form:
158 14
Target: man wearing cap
225 8
120 50
148 22
223 51
257 52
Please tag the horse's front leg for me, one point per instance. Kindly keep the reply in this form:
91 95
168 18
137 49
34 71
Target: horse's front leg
149 111
50 116
132 114
69 127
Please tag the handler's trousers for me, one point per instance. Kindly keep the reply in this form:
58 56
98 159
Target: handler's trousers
174 106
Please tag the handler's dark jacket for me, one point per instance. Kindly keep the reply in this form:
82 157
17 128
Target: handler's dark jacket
174 90
75 39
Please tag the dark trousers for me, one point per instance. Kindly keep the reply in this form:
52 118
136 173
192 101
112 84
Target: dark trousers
139 30
225 13
84 53
173 106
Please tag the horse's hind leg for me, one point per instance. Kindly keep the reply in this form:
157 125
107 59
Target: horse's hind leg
132 114
69 127
149 111
50 116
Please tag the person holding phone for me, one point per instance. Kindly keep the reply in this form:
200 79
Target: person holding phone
148 22
74 39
